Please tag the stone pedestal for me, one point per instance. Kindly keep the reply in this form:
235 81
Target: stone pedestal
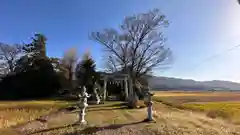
82 114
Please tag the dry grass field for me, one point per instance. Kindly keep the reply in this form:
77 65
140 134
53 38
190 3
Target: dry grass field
216 104
112 118
15 112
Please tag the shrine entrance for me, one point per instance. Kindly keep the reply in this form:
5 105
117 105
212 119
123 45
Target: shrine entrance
117 81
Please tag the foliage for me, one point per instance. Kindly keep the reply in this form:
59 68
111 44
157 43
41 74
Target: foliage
62 73
37 46
86 71
38 81
34 51
58 66
34 75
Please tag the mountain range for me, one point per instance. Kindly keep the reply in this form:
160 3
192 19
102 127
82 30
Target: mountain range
166 83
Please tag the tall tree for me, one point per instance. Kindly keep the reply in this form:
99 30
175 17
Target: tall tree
8 56
35 50
37 47
138 47
35 75
69 61
86 71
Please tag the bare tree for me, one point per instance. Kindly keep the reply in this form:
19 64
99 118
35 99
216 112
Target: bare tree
138 47
69 61
59 66
8 56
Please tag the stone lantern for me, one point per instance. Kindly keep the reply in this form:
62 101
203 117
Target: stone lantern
148 102
83 104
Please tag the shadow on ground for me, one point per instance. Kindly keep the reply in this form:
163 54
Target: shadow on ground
108 105
107 109
55 128
86 129
91 130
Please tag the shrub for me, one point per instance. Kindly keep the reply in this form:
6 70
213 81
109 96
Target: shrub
217 113
136 104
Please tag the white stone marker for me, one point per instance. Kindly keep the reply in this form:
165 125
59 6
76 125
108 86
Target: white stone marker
83 105
150 110
149 107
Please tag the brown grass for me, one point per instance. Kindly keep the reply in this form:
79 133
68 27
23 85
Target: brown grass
192 96
13 112
224 105
114 118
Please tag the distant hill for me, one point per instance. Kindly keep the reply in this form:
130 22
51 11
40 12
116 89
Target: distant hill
165 83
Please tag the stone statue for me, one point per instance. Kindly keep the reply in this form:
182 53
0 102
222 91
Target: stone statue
96 86
83 104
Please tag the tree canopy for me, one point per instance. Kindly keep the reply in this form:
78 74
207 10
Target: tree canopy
138 46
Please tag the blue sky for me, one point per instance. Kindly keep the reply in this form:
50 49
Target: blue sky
198 29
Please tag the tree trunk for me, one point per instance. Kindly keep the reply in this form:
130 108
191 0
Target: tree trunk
133 98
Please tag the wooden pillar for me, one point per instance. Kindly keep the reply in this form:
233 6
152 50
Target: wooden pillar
126 87
105 89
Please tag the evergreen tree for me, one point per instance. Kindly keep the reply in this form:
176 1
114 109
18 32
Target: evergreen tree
37 47
86 71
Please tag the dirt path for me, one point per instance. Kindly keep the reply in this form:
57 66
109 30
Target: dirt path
169 121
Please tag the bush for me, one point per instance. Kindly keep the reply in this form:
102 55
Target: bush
31 84
136 104
217 113
37 81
